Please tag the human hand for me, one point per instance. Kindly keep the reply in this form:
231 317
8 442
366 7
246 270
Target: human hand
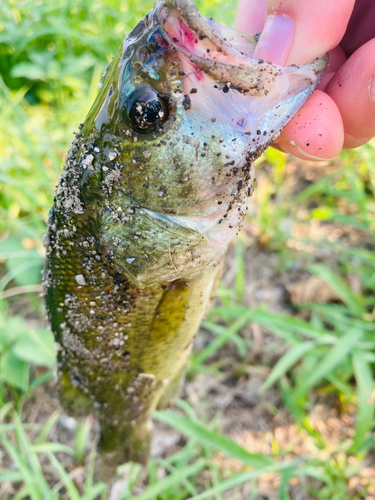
341 113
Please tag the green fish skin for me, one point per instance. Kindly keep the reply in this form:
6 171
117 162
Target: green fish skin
154 188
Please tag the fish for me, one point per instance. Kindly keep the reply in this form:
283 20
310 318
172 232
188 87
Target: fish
154 188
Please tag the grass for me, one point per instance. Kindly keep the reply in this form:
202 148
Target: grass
51 59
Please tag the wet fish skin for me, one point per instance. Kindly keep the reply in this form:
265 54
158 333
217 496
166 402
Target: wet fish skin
142 217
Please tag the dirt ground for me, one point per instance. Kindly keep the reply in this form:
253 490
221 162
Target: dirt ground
257 421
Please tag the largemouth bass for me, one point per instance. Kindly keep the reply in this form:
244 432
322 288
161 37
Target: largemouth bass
154 188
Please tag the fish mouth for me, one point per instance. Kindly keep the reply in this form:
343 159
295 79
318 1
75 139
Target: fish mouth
256 96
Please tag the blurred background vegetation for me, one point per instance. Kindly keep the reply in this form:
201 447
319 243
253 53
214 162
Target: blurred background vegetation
312 347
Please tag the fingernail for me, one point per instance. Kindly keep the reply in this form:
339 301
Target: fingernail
371 89
276 39
304 155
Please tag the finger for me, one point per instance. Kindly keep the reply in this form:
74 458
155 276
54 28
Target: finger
353 91
307 28
251 16
316 132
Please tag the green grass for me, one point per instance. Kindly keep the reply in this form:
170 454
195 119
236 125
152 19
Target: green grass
51 58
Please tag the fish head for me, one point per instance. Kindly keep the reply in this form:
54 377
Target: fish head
183 111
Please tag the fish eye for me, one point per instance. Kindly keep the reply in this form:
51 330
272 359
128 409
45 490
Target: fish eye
146 110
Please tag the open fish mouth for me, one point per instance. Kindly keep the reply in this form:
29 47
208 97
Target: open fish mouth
262 96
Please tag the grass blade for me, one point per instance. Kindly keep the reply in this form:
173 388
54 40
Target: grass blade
47 427
366 403
289 359
212 439
31 458
10 475
340 287
68 483
331 360
242 478
24 470
173 479
51 448
289 327
223 338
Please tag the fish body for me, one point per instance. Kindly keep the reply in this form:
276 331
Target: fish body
154 188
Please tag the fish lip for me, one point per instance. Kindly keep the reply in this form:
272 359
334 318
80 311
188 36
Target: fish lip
205 28
202 26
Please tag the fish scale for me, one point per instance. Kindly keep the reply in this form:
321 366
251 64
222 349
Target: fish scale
154 188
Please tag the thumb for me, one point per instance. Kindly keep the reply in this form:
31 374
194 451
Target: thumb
251 16
299 31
